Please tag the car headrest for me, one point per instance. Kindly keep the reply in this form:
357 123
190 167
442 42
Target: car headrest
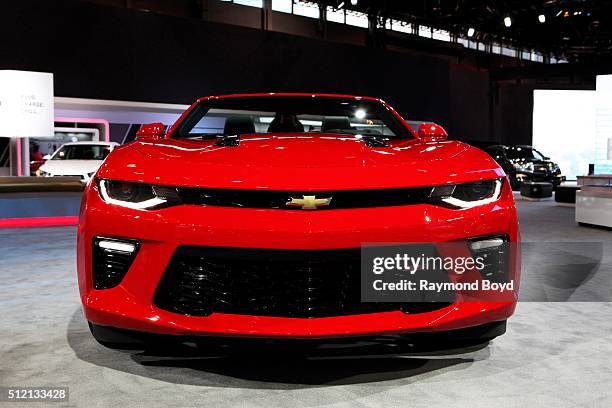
335 124
239 125
278 126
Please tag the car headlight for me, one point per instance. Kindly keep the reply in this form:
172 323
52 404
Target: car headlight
138 196
525 167
468 195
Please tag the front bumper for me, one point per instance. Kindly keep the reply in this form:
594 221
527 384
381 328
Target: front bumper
130 304
554 179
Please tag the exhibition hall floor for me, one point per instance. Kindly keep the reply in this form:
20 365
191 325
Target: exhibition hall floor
554 353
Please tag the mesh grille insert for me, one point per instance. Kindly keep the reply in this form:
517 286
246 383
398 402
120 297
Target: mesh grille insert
261 282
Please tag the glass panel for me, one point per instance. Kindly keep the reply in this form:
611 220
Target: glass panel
82 152
401 26
250 3
441 35
425 31
283 6
290 114
508 52
357 19
306 9
337 16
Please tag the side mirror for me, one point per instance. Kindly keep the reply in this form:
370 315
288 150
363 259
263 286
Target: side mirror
431 132
47 157
151 131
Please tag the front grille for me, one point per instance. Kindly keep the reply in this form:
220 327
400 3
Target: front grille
541 178
261 282
279 199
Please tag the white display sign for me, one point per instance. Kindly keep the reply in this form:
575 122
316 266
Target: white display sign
603 144
574 128
564 128
26 104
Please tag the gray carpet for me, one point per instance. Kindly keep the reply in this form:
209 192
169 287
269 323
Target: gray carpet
554 354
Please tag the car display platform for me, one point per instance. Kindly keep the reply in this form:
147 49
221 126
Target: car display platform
594 200
39 201
565 194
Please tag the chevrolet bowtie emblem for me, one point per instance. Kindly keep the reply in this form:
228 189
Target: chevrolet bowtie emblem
309 202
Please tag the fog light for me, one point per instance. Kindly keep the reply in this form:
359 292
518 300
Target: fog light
486 244
118 246
494 253
111 260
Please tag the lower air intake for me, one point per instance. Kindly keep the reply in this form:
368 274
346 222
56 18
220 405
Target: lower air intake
111 259
261 282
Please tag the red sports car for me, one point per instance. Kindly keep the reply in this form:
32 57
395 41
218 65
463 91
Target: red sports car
247 218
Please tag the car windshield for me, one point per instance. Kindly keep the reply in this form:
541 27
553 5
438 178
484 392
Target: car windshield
523 152
82 152
288 114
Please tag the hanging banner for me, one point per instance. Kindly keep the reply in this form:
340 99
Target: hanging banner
26 104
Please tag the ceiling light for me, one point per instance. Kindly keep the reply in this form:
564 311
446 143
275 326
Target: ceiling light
507 21
542 18
471 32
354 2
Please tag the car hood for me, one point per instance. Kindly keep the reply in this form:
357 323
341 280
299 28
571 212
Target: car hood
298 162
70 167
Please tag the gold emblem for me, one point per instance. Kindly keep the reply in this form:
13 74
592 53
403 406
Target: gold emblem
309 202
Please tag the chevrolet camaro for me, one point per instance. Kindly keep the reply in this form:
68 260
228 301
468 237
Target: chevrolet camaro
247 216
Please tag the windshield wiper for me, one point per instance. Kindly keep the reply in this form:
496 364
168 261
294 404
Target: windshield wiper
375 141
229 140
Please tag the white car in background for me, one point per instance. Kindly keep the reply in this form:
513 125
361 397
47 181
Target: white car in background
80 159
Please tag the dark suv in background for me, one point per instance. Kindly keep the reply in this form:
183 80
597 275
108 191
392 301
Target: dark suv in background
523 163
